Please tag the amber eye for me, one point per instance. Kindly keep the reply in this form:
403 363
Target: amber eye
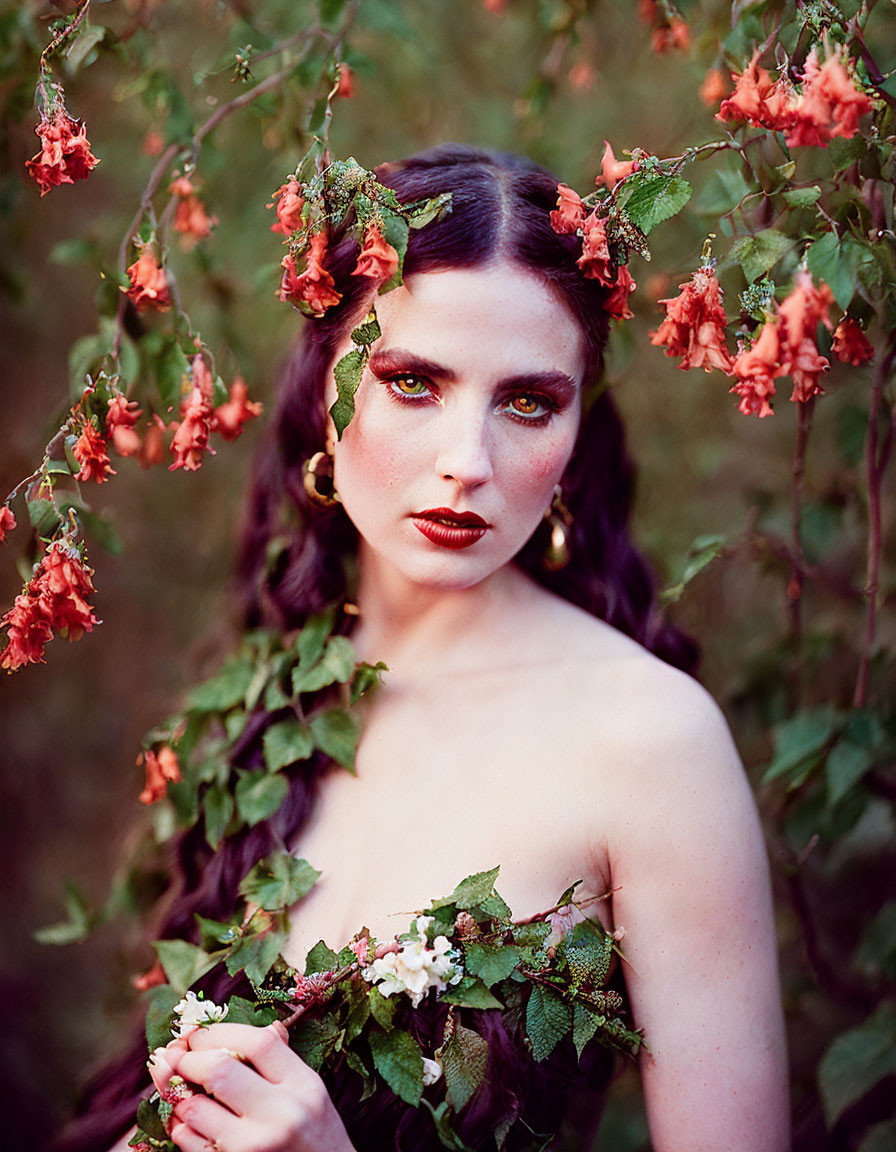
525 405
409 385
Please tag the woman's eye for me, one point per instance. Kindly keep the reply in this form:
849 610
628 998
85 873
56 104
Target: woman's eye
404 386
527 407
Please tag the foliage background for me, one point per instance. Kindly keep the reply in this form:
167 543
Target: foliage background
505 76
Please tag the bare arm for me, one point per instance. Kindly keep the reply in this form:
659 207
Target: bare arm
689 863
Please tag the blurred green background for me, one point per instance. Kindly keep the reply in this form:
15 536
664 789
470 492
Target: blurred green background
516 76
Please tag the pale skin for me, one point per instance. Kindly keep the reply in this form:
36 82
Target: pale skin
514 729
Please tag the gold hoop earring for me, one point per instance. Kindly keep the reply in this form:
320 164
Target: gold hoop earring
559 518
320 467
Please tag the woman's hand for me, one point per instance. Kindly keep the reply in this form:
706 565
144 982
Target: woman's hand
257 1094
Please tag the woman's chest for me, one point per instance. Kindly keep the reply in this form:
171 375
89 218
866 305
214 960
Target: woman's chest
447 785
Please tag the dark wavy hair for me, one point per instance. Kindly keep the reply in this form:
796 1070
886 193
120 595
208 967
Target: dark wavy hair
297 558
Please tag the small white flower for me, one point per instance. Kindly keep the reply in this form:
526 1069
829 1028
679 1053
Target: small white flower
416 967
432 1070
192 1011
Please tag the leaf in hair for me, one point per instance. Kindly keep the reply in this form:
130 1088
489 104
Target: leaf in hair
348 372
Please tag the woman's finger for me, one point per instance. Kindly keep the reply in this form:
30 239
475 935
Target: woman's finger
225 1077
265 1048
189 1140
209 1119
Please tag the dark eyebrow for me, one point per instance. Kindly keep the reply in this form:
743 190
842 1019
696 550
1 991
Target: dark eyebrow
390 361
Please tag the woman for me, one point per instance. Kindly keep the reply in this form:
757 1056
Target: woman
525 719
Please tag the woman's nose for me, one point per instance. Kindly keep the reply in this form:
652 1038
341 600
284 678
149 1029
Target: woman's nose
464 453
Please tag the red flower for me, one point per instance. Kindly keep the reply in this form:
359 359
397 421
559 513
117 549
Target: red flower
152 143
595 259
314 287
160 770
149 284
235 412
28 633
202 377
7 521
675 34
800 314
377 260
346 86
805 366
756 370
90 452
152 450
850 343
152 978
190 441
289 205
764 102
613 170
713 88
694 328
570 211
830 105
617 302
121 416
65 154
190 216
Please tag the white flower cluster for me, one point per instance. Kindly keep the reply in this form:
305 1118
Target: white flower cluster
415 967
192 1012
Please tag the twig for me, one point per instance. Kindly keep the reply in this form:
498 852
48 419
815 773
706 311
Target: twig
805 410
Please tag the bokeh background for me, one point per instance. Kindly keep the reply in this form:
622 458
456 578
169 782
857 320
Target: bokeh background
520 75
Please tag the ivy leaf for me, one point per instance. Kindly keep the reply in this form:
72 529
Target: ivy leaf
321 959
398 1060
856 1061
584 1025
491 962
286 742
315 1039
242 1011
464 1059
471 891
876 950
366 676
655 198
336 665
802 197
258 795
160 1015
150 1123
395 230
225 690
429 210
471 993
278 881
368 330
382 1009
77 923
218 806
800 745
853 754
760 253
183 962
314 635
255 955
347 373
336 733
548 1019
837 262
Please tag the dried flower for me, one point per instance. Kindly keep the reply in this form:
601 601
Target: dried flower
694 328
314 287
160 769
7 521
569 214
65 154
377 260
289 204
850 343
149 284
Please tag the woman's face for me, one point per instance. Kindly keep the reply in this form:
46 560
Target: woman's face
465 421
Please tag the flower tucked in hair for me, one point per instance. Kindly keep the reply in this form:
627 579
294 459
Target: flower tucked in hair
289 204
694 328
314 287
65 154
613 170
595 260
377 259
416 968
569 214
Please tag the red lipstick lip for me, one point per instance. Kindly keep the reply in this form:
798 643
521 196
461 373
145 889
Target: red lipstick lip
449 529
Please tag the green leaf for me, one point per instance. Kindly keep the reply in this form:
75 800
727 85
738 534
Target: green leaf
171 367
491 962
876 950
398 1060
395 231
464 1059
43 515
802 197
366 677
723 190
655 198
160 1016
149 1121
701 553
314 635
441 1118
183 962
241 1011
286 742
258 795
854 753
588 951
367 331
837 262
336 665
76 925
278 881
584 1025
347 373
255 955
225 690
382 1009
879 1137
429 210
471 993
800 745
760 253
218 806
315 1039
336 733
548 1019
321 959
471 891
83 44
856 1061
842 153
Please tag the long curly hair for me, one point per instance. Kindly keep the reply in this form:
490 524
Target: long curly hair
297 558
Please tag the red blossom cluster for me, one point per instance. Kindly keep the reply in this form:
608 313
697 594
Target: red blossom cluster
149 284
828 105
65 154
668 32
787 343
596 261
199 418
90 451
7 521
161 769
54 600
190 216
